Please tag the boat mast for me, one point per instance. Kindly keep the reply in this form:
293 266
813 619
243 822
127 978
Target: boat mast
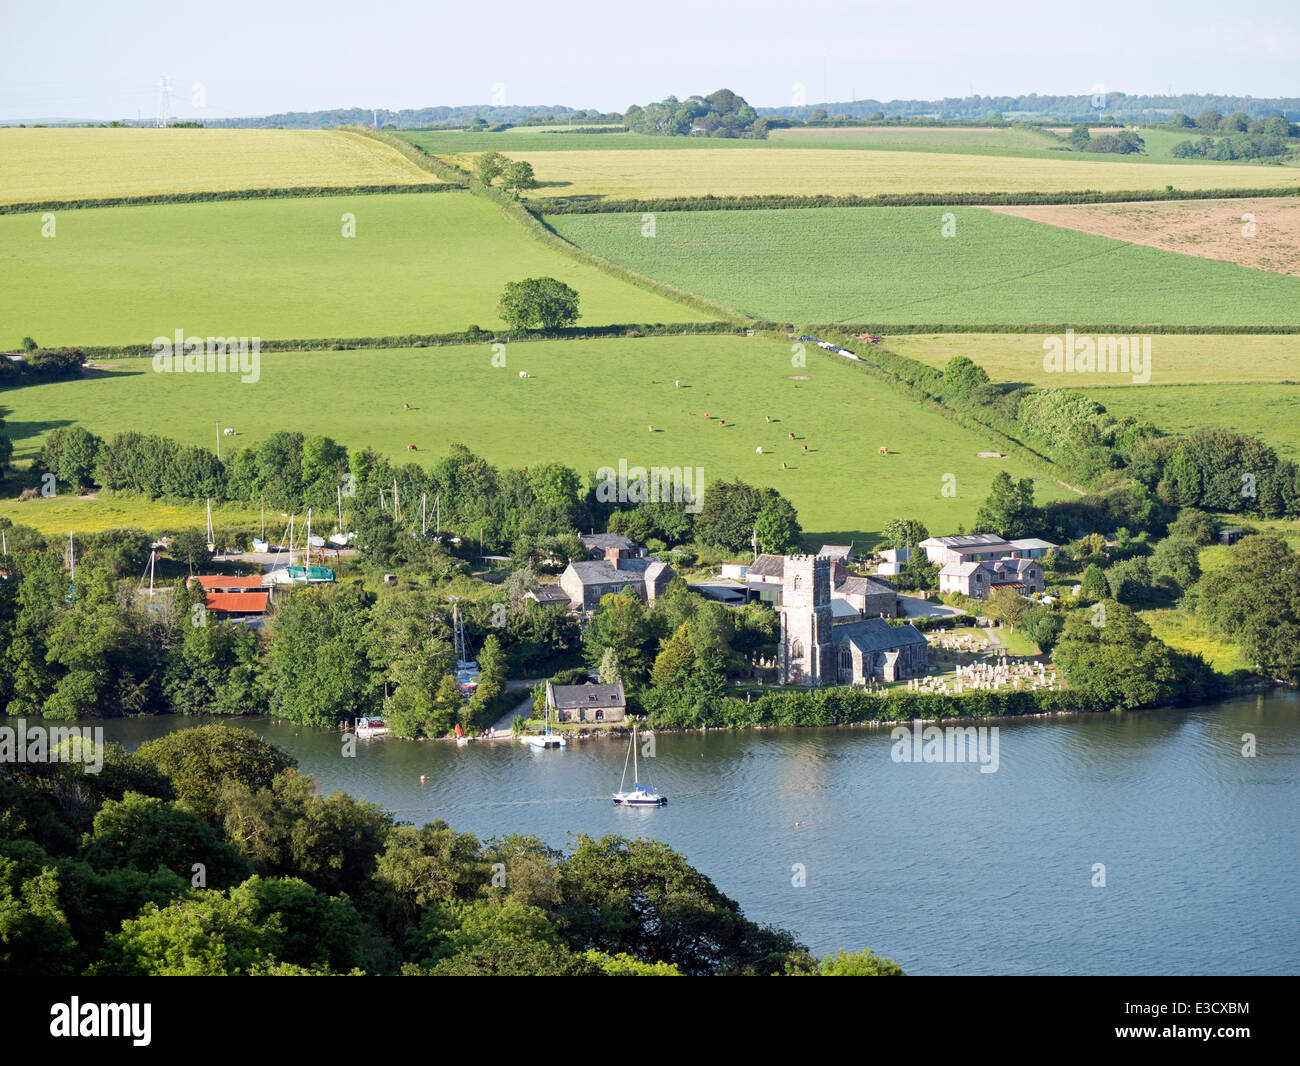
636 765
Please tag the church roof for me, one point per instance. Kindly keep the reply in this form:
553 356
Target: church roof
875 634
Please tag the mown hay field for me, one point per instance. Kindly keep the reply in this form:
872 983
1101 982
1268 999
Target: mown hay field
894 265
1176 358
586 403
771 171
76 164
419 263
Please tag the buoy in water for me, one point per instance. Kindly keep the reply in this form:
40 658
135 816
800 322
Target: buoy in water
422 779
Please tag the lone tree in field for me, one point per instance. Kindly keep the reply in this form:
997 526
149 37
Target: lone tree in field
538 302
518 175
490 166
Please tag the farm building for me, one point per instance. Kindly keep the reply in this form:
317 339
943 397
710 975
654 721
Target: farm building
586 703
238 606
227 582
978 579
818 649
587 581
979 547
892 560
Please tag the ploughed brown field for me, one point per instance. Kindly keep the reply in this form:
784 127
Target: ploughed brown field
1263 233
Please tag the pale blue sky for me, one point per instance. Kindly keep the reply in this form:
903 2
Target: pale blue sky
80 59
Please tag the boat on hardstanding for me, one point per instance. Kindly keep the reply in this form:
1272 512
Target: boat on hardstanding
641 795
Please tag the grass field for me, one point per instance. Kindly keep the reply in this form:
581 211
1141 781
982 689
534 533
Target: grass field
281 268
1268 411
634 174
588 404
1185 632
1176 358
72 164
61 515
893 265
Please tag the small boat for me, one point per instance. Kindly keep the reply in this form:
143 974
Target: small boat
260 545
641 795
371 727
461 738
545 739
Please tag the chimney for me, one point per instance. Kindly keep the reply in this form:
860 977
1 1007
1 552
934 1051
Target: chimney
614 557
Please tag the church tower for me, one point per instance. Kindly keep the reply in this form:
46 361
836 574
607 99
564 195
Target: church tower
807 650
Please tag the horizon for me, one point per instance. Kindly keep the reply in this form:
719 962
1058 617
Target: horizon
405 56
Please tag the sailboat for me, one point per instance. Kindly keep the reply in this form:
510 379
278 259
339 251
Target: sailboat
212 536
260 544
546 738
641 795
461 738
467 671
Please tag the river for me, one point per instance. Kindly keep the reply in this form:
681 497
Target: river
939 866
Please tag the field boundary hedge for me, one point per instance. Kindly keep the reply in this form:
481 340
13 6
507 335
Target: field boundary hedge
560 205
440 340
413 153
272 193
520 212
886 329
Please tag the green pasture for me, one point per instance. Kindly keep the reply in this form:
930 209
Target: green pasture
894 265
585 403
419 263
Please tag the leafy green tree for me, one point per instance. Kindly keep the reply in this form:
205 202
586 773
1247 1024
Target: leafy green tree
199 761
1178 558
905 532
609 673
858 964
1111 657
489 166
538 303
70 453
1254 600
777 529
641 898
1009 510
35 940
1043 626
1094 584
623 624
518 175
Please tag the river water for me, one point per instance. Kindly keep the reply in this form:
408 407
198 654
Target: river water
939 866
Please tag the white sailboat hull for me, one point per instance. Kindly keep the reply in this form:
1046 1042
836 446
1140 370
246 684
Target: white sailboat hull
639 799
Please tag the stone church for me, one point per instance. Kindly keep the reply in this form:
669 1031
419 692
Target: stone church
814 650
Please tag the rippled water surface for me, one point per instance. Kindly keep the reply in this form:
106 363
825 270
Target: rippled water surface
944 869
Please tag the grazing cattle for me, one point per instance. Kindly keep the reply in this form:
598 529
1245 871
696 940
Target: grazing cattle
805 447
650 428
228 432
783 466
722 421
706 414
406 407
882 450
768 417
523 373
792 436
677 384
411 448
759 450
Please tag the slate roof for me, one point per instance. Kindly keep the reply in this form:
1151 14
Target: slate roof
602 541
853 585
768 566
875 634
572 697
966 540
602 572
548 594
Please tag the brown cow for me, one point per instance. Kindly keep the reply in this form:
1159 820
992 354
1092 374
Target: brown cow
882 450
411 448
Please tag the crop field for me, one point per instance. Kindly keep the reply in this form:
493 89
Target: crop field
73 164
421 263
893 265
642 174
1261 232
1268 411
841 487
925 136
1176 358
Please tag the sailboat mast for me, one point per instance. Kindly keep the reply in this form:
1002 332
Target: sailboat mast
636 764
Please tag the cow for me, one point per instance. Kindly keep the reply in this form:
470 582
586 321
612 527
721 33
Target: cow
412 448
882 450
759 450
523 373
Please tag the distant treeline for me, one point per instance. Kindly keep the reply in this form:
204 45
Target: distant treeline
563 205
1083 106
408 118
